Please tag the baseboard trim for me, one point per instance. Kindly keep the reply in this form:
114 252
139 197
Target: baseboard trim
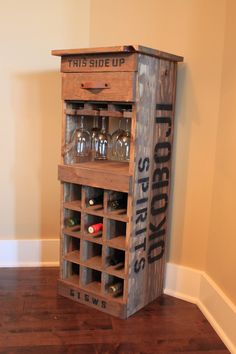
197 287
181 282
29 253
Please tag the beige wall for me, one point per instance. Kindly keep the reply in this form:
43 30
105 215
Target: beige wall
221 253
202 227
30 110
194 29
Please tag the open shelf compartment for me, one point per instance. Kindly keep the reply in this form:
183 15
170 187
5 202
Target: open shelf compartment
92 255
71 249
90 221
72 196
114 283
117 205
117 116
94 200
91 280
115 261
71 273
72 222
116 234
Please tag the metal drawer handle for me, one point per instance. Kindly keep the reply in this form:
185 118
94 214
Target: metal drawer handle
94 85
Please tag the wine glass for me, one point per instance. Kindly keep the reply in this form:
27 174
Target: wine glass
114 139
123 143
81 141
102 143
94 136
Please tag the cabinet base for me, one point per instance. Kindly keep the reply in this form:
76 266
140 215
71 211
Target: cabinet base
101 303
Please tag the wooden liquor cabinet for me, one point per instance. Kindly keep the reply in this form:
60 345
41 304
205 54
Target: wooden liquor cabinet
138 84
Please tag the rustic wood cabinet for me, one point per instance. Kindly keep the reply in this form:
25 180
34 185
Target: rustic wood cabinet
139 84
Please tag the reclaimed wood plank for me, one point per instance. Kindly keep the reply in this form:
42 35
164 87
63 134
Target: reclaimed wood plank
143 152
117 49
110 86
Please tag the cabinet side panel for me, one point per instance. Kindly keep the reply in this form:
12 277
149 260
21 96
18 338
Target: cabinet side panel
154 134
160 179
146 91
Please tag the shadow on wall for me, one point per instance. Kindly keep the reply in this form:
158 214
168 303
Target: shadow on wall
180 161
37 114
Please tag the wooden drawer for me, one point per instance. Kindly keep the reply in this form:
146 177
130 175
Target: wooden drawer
111 86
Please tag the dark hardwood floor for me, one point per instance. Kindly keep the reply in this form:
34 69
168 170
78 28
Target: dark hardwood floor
35 320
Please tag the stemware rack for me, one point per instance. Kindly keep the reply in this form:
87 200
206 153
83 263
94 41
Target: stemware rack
127 82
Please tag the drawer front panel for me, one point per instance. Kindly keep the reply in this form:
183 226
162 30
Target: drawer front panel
117 86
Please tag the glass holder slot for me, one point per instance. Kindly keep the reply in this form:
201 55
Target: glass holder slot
97 131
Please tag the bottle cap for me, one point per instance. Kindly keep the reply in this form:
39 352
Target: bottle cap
91 230
112 288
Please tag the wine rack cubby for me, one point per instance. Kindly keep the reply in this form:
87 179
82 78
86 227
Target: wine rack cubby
117 134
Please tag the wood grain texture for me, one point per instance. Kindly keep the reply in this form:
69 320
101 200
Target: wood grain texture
119 86
161 176
146 86
101 113
156 82
99 63
91 295
118 49
108 175
35 320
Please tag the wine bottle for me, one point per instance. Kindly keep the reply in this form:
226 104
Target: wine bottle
96 200
118 263
73 221
93 229
118 204
115 289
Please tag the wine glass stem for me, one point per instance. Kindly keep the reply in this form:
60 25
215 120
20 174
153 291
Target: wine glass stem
103 124
95 122
127 124
82 122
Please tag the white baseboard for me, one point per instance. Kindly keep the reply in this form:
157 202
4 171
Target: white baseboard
197 287
29 253
182 282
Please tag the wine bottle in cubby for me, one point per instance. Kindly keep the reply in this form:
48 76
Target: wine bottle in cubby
115 289
96 200
93 229
116 262
118 204
73 221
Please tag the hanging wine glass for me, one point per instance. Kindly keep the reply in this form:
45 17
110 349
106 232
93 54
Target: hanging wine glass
102 142
81 141
123 143
94 137
114 139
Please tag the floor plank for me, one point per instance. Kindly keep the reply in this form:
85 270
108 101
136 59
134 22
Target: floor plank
35 320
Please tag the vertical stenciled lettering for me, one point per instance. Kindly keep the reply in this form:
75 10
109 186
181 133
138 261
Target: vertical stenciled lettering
150 242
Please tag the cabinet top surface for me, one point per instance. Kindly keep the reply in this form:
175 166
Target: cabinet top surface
129 49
